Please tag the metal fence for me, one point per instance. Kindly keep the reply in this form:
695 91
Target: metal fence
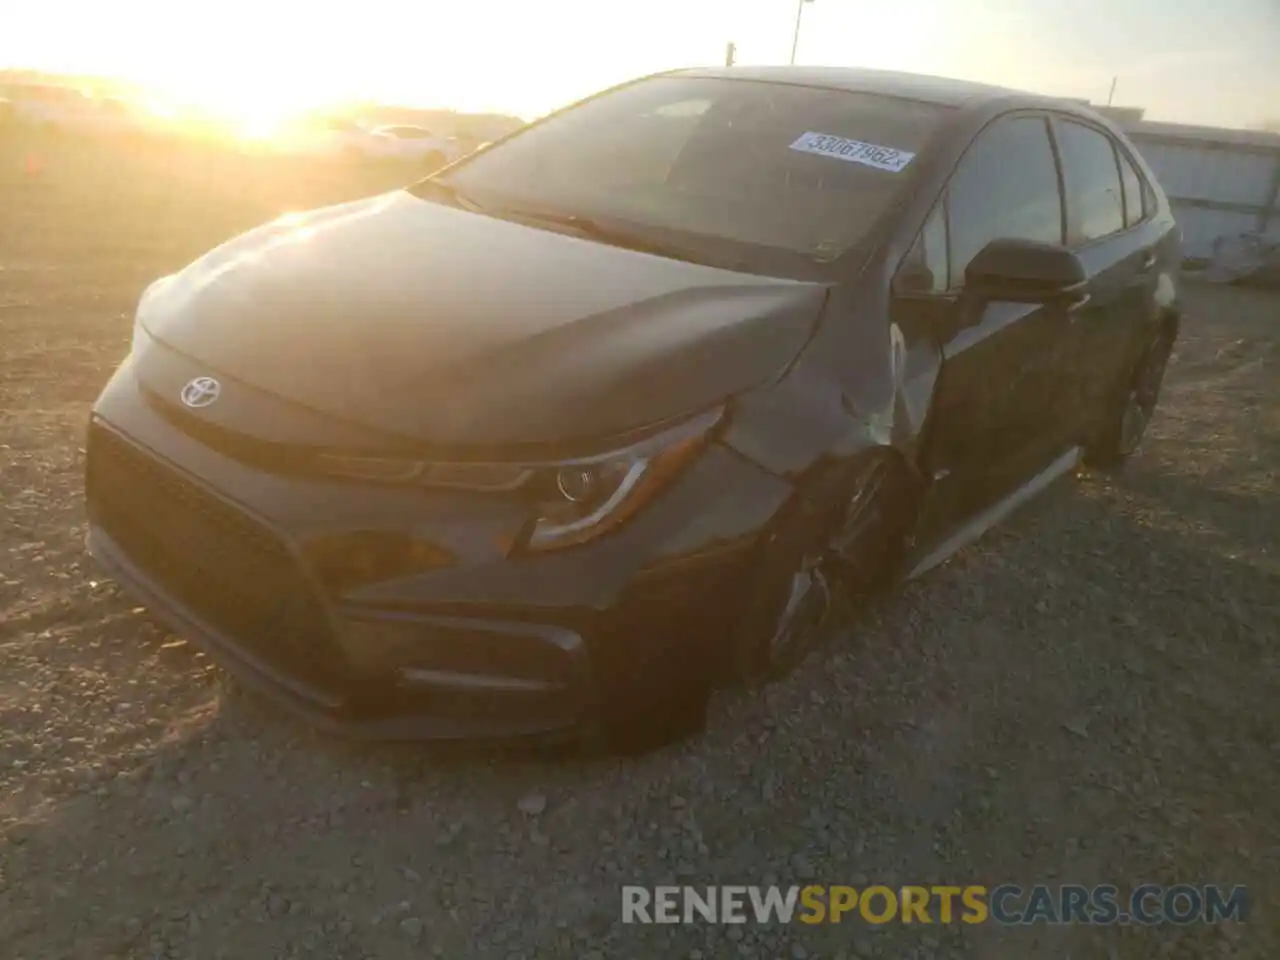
1221 182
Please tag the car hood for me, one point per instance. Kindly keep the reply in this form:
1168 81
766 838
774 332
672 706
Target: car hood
425 321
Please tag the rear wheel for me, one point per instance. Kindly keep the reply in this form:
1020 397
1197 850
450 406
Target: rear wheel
1134 405
844 533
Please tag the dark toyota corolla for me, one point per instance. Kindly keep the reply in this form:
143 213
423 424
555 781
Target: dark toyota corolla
552 441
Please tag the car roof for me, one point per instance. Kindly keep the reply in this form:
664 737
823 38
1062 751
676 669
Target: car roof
944 91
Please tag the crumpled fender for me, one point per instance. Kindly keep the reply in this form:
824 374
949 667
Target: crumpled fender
861 383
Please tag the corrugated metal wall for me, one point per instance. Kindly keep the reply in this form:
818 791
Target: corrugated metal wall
1221 182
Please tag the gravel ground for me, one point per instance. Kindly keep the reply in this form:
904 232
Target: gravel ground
1085 696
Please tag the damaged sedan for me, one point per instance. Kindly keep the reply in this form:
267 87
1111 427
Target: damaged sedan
551 443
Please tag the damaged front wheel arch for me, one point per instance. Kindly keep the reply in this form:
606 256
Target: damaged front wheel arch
810 554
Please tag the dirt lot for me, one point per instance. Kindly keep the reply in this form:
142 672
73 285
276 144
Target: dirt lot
1089 695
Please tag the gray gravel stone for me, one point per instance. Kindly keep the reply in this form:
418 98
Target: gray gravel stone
532 804
412 928
804 870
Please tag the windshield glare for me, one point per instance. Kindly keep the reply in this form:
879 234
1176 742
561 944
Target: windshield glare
752 164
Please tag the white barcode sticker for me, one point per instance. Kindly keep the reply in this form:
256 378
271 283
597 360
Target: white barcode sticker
854 151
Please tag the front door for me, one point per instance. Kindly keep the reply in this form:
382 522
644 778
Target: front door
1005 368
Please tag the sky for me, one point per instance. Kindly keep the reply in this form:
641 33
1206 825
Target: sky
1184 61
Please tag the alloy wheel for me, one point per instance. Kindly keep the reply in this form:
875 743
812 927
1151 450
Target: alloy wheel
802 617
826 550
1140 404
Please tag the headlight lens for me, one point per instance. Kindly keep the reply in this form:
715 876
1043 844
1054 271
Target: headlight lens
579 500
573 500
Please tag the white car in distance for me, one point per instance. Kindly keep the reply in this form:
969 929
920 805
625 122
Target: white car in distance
416 144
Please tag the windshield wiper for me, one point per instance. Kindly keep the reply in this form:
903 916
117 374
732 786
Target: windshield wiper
587 227
616 236
448 191
583 225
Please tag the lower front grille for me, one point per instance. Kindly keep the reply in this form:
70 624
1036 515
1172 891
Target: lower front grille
223 565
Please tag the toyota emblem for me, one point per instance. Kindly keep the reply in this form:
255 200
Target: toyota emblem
201 392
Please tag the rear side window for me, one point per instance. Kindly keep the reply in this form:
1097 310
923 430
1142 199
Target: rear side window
1135 207
1006 187
1091 180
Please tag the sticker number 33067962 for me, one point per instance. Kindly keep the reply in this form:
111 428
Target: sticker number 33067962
854 151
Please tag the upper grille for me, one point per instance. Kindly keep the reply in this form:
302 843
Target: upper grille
224 566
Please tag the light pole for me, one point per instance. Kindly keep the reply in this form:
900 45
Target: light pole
795 38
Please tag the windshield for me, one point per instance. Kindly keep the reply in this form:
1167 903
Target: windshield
755 167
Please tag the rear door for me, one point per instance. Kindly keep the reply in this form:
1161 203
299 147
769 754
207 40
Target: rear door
991 423
1108 225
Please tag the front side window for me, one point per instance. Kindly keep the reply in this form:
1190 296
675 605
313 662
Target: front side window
749 166
1006 187
1091 182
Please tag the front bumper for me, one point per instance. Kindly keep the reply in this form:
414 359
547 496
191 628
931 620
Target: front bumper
367 712
212 547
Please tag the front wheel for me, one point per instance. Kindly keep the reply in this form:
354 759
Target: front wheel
1134 406
844 532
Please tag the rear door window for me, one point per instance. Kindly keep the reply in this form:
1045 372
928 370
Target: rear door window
1091 180
1135 194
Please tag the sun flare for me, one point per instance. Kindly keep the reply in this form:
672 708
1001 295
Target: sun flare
248 110
257 124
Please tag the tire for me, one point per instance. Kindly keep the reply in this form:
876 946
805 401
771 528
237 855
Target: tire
1133 406
821 545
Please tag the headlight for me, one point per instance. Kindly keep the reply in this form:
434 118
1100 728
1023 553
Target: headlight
573 500
578 500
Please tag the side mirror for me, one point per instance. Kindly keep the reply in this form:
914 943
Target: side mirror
1024 271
